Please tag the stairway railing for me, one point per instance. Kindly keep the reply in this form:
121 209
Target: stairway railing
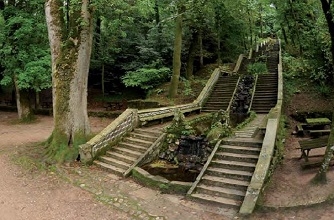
253 93
125 123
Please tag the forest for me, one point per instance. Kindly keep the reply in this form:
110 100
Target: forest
70 46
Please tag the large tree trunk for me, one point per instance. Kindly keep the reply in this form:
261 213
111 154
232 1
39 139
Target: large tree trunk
191 56
320 177
326 7
201 53
176 56
70 52
23 103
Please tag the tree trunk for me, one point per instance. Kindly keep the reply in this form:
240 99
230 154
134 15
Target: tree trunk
176 56
219 59
102 79
159 28
296 26
23 103
37 100
284 35
320 177
191 57
201 54
70 53
326 7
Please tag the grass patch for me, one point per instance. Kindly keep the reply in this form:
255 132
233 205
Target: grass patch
30 158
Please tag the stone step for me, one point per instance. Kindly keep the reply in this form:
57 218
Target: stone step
216 105
136 141
264 103
240 149
128 152
216 102
227 173
120 156
242 142
145 137
156 132
133 147
225 182
250 158
114 162
233 165
229 203
210 108
265 96
109 168
221 192
261 111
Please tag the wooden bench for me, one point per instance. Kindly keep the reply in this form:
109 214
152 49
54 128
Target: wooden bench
317 133
307 145
300 129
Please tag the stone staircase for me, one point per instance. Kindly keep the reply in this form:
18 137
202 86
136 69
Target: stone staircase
221 94
265 96
227 177
120 157
252 129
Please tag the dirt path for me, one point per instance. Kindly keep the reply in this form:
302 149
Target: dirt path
37 196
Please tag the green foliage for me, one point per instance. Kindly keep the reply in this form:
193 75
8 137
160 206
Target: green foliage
178 127
220 127
146 78
24 47
187 87
324 90
257 68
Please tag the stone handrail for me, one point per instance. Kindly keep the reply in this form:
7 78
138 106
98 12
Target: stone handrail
253 92
238 64
160 113
203 96
233 95
149 151
126 122
256 185
205 167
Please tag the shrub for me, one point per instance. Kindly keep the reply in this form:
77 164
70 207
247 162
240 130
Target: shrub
257 68
146 78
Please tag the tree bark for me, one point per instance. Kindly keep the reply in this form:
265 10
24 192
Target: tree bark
23 103
70 54
201 53
191 57
219 59
321 177
176 55
326 7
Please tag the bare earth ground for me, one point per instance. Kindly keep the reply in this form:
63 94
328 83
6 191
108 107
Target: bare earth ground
74 191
